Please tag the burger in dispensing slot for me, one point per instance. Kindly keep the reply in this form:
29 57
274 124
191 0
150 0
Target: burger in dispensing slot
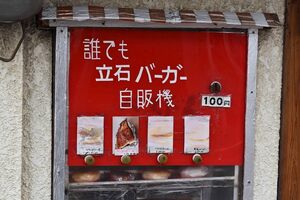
156 175
86 176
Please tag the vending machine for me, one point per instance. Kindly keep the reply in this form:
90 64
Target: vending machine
151 104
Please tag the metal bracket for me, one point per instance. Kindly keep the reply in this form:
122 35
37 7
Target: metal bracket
250 115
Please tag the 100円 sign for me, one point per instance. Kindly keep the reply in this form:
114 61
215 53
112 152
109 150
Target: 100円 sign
216 101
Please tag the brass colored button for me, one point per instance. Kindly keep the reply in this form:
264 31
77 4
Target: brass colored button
125 159
89 160
162 158
197 158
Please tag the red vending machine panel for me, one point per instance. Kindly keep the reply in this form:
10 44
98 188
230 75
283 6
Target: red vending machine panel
143 92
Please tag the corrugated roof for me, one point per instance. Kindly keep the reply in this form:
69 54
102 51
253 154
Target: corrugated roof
132 17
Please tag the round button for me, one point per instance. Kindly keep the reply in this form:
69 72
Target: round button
89 160
197 158
125 159
162 158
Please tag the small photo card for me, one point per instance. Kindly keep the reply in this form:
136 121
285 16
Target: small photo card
90 135
160 134
196 134
125 135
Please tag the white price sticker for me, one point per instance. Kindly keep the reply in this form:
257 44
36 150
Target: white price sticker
216 101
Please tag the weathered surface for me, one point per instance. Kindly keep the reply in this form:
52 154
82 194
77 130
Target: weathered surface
11 81
290 121
218 5
25 101
37 100
268 114
25 115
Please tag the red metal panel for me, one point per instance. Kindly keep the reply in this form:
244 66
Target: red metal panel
205 57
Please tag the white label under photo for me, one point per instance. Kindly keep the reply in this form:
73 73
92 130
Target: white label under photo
90 135
216 101
160 134
196 134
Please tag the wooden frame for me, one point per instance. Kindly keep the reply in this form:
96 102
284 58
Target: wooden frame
290 128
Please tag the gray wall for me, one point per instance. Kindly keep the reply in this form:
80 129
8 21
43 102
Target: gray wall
25 100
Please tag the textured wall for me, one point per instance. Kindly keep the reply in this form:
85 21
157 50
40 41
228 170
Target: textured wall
268 114
11 80
25 115
25 100
37 94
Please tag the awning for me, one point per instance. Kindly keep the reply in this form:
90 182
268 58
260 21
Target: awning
94 16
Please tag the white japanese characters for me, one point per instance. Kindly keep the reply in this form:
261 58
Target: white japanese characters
126 99
166 96
95 49
122 73
104 73
91 47
144 98
170 75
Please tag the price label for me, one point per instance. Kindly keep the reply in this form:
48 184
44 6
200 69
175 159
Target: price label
216 101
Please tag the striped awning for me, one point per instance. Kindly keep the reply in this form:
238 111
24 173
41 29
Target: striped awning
130 17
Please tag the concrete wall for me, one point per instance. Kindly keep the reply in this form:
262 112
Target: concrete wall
25 115
37 114
25 100
11 109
